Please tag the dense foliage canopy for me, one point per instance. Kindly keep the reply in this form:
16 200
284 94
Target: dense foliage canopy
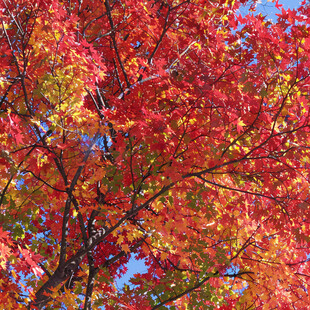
176 132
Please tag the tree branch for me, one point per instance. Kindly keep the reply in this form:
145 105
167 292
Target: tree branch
187 291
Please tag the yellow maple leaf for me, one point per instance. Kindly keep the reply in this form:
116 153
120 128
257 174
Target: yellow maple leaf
120 239
130 237
125 248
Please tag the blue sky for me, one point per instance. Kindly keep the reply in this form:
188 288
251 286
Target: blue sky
268 9
292 4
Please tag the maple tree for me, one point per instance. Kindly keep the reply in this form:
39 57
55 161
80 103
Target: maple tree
175 132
